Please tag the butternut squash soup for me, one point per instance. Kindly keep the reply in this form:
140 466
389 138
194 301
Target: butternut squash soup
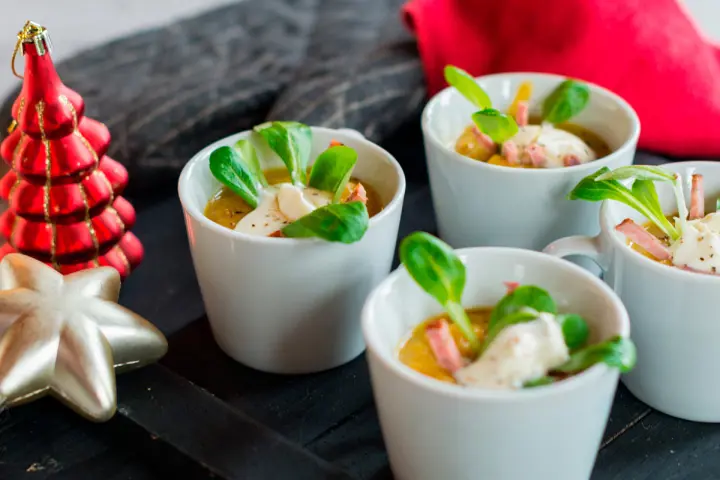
521 140
301 201
520 342
226 208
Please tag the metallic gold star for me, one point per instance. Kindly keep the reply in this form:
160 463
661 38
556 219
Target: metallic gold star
65 335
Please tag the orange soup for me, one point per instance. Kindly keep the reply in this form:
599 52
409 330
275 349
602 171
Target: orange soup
416 353
226 208
468 145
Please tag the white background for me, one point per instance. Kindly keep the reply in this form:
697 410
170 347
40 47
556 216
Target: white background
78 24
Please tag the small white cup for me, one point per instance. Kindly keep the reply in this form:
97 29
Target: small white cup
285 305
673 312
479 204
434 430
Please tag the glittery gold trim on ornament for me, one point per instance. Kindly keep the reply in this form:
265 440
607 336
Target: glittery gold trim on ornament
12 189
15 155
88 221
123 258
117 217
12 127
109 185
21 107
15 216
13 160
63 99
40 108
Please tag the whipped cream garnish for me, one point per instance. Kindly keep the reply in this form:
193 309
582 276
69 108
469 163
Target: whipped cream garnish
698 247
521 352
280 205
557 144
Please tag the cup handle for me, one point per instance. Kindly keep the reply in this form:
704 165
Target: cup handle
577 245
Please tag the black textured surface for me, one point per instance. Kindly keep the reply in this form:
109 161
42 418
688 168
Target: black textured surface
165 94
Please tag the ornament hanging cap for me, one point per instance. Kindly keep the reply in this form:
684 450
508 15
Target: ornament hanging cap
35 34
45 107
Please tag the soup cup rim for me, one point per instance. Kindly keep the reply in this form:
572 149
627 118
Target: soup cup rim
631 139
452 391
608 228
189 207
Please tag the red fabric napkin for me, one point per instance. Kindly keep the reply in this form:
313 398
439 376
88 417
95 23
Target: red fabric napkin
648 51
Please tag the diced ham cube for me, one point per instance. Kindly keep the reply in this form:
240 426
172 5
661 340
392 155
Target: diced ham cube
358 193
571 160
522 115
511 286
443 345
510 152
484 140
697 198
649 242
537 154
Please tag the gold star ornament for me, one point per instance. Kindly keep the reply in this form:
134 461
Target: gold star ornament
66 336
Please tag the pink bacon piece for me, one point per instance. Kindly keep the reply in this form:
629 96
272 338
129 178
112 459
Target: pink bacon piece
522 114
484 140
697 198
358 194
571 160
637 234
537 154
511 286
510 152
443 345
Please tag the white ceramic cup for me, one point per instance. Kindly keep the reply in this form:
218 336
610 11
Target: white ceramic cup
435 430
673 312
286 305
479 204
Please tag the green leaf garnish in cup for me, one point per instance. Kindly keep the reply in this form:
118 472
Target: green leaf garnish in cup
575 329
332 169
248 156
539 382
618 352
639 172
642 198
523 297
566 101
496 125
292 142
467 86
337 222
521 315
436 268
240 170
231 171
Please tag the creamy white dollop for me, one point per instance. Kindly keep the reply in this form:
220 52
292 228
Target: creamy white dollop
698 247
557 144
280 205
519 353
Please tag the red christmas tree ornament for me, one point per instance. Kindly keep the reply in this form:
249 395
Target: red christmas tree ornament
63 192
